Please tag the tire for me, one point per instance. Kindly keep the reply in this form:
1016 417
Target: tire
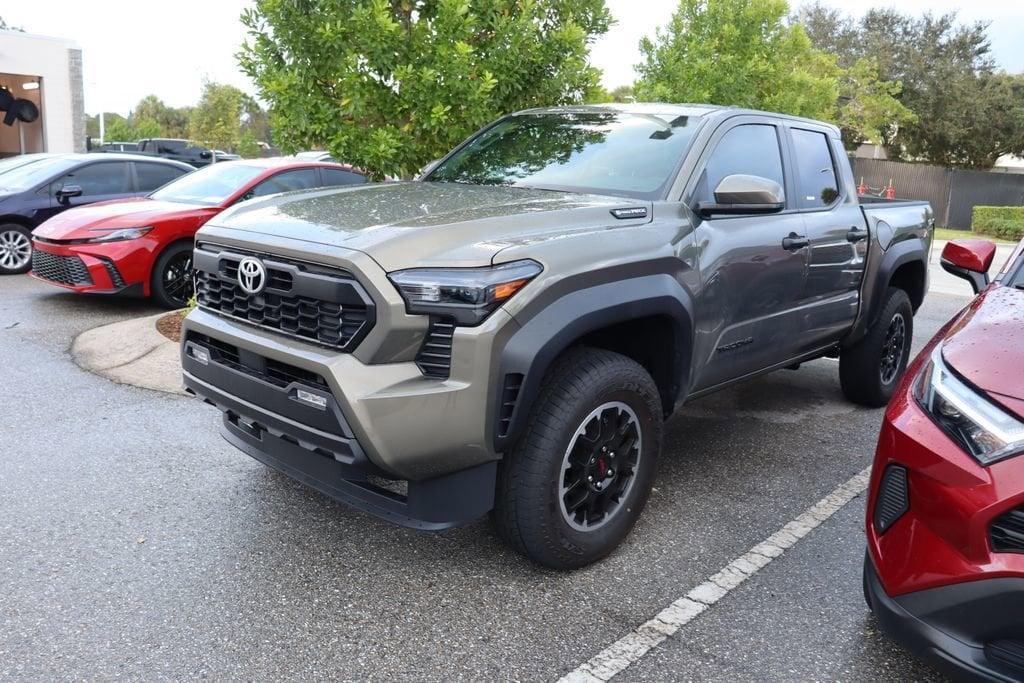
15 249
870 369
172 285
585 393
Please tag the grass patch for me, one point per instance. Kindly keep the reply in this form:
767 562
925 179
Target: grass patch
951 234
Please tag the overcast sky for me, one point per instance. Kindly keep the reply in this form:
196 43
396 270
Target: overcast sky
130 51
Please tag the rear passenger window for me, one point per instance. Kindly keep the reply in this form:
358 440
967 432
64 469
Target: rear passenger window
750 149
152 176
335 176
817 186
301 179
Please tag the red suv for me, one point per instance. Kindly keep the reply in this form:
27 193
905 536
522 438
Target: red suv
944 572
144 245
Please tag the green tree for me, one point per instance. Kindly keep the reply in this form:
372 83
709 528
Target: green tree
217 120
965 114
391 85
173 121
738 52
247 146
147 128
116 128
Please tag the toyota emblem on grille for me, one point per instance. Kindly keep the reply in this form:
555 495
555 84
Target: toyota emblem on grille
252 275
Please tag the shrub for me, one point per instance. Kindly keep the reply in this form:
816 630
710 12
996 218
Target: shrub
999 221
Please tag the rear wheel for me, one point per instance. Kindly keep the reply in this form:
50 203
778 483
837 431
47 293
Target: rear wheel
574 485
15 249
870 369
172 285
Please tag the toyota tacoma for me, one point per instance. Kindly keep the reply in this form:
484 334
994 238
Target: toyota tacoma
508 332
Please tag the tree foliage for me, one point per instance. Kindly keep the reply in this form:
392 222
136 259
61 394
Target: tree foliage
965 113
173 121
737 52
216 121
391 85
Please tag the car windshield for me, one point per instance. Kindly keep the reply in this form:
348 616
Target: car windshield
208 186
27 176
11 163
604 152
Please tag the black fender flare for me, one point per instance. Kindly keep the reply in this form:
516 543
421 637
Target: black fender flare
877 282
530 351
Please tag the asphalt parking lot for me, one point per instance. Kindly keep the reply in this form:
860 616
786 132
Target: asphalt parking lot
135 543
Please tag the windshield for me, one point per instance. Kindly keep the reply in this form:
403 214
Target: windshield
29 175
208 186
11 163
604 152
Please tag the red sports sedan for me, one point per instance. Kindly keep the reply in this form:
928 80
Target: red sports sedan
143 246
944 572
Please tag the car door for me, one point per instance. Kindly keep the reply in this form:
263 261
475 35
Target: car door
752 267
99 181
837 234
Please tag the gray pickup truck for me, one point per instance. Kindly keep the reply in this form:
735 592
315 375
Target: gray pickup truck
508 333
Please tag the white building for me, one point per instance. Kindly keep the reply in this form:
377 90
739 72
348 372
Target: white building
48 72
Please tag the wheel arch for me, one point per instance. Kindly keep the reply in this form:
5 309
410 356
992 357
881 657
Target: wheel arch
647 318
903 265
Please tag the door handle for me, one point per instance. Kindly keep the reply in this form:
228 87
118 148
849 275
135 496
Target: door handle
794 242
856 234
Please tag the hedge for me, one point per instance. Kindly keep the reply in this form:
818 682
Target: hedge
999 221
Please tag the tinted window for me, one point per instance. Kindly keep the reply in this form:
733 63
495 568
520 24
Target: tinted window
152 176
171 146
99 179
608 152
335 176
748 150
301 179
816 174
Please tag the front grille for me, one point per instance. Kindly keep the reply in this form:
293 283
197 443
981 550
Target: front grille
435 356
893 497
266 369
312 302
1007 532
67 270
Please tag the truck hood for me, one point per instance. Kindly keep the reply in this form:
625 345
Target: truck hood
984 346
139 212
417 224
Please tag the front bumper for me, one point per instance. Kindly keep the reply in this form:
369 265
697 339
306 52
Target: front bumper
113 268
970 631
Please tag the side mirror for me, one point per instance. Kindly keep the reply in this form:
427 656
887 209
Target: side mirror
969 259
67 192
205 154
744 194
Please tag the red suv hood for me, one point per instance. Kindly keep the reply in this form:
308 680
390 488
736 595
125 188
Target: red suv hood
131 213
985 346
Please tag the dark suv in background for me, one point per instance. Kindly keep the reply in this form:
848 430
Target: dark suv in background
32 193
184 151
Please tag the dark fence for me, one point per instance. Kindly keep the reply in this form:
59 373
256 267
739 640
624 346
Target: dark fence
953 193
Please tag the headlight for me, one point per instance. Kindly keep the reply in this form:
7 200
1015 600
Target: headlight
980 427
118 235
467 294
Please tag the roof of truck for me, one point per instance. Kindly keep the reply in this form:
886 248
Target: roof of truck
666 108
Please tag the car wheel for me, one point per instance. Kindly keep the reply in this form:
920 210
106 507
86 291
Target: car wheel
870 369
172 285
575 483
15 249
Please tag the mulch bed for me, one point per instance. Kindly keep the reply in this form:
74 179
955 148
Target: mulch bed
170 325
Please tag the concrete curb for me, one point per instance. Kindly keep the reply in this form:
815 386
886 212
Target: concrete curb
131 352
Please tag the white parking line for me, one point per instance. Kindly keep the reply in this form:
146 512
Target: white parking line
630 648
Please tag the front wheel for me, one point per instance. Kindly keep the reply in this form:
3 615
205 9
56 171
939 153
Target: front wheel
870 369
15 249
574 485
172 285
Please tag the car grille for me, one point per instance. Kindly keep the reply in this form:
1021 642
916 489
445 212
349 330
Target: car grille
1007 532
893 497
67 270
315 303
435 356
